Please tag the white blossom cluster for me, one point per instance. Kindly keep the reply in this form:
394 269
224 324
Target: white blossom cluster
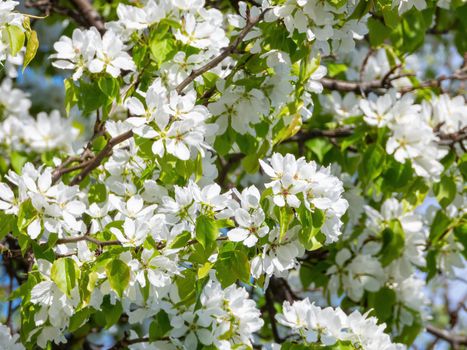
176 124
8 18
22 132
152 223
415 129
327 326
359 269
406 5
88 50
320 22
8 341
292 178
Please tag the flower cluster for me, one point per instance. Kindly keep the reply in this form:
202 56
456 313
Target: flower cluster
8 341
222 160
8 20
88 51
359 269
22 132
320 22
176 124
327 326
296 182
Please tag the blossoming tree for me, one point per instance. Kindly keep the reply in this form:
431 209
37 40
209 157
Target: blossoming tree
232 175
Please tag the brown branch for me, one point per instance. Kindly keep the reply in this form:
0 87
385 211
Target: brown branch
269 296
314 133
385 83
350 86
78 14
454 339
124 343
89 239
225 53
90 14
96 161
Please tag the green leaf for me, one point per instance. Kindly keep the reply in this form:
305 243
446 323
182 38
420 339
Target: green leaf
251 163
16 37
410 33
206 230
118 274
109 86
71 94
97 193
319 146
311 223
79 319
382 302
110 313
185 286
431 264
160 326
285 217
393 242
65 273
181 240
17 161
336 68
445 191
378 32
232 266
6 224
31 48
162 49
460 232
372 163
362 8
90 97
397 176
439 226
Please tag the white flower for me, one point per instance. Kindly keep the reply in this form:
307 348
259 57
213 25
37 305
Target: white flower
326 326
9 341
13 101
320 189
250 218
134 233
405 5
313 84
377 110
240 108
449 114
277 257
340 108
286 184
76 52
110 56
8 203
50 132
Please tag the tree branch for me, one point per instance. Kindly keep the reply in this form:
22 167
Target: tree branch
96 161
454 339
89 239
90 14
360 87
225 53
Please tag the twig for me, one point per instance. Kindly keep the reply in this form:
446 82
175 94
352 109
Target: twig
90 14
454 339
95 162
89 239
225 53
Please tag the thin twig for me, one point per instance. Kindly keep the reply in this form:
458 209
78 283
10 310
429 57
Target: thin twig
225 53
